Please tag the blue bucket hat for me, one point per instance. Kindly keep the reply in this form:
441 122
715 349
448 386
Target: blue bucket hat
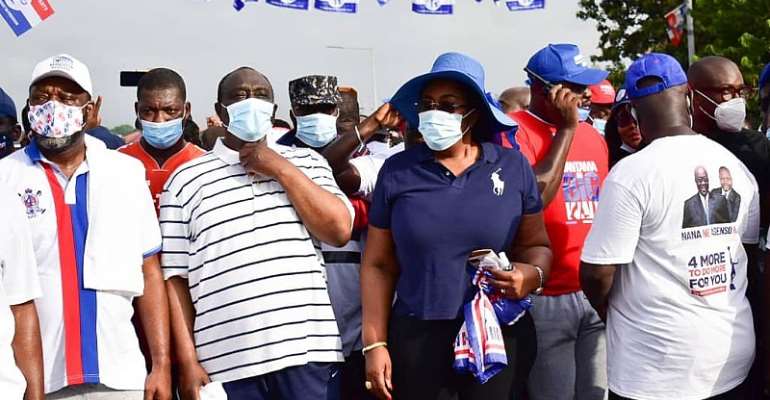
7 107
657 65
459 68
563 63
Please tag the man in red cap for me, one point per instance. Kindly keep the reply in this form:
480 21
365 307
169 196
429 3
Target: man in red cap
602 98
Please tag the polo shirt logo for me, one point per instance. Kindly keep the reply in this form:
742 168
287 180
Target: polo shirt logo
498 186
31 202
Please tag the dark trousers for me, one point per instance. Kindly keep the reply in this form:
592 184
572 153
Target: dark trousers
738 393
313 381
422 353
353 378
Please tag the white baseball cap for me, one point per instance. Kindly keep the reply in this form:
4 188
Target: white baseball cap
65 66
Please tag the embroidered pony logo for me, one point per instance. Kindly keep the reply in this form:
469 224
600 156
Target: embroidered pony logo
31 202
498 186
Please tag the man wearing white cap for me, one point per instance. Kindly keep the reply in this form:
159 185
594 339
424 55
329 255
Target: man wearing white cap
95 237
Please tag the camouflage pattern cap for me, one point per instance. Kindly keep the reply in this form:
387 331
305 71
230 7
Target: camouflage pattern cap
314 90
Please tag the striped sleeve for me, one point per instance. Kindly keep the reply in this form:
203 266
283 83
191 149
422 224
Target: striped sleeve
175 228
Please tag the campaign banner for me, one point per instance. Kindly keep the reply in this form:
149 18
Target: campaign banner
296 4
437 7
342 6
523 5
23 15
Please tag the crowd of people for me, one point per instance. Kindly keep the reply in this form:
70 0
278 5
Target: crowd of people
547 244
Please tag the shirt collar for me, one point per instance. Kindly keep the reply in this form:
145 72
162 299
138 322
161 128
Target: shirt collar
226 154
92 147
627 148
489 153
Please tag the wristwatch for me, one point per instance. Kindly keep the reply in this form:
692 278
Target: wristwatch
541 274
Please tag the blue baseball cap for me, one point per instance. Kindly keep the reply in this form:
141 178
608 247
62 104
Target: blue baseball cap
563 63
764 77
658 65
459 68
7 108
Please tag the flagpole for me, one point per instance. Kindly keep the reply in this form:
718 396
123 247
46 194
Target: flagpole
690 34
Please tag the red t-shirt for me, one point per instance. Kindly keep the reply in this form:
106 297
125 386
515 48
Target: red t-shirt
158 175
569 216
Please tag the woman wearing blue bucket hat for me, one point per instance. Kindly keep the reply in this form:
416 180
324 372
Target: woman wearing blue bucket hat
435 205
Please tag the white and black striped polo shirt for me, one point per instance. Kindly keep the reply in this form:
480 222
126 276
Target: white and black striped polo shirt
255 274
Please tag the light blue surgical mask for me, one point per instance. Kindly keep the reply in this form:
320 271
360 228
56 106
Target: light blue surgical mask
600 124
317 130
441 129
583 114
162 135
250 119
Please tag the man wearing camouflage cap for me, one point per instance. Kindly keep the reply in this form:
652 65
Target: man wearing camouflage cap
314 110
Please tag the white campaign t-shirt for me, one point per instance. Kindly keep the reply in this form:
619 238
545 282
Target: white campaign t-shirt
18 284
678 324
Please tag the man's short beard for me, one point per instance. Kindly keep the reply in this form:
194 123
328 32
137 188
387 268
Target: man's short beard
57 145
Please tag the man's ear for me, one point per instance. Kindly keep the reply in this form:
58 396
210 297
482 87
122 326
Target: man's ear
16 132
275 110
222 113
187 110
136 108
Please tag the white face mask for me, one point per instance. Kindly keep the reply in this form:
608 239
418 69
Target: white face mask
441 129
730 115
250 119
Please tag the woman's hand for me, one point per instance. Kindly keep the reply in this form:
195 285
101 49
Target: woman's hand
515 284
378 373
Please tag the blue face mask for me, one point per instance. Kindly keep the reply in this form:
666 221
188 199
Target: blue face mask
317 130
583 113
600 124
162 135
250 119
441 129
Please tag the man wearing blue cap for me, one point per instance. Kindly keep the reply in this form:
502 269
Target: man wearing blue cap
679 325
10 130
570 159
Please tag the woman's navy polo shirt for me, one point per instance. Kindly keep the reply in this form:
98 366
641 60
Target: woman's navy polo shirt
437 220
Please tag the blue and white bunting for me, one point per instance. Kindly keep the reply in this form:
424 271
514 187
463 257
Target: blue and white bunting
523 5
342 6
296 4
433 6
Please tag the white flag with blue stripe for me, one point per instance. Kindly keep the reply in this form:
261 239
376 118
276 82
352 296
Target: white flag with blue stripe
433 6
343 6
522 5
296 4
23 15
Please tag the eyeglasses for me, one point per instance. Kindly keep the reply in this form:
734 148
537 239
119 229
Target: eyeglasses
427 105
730 92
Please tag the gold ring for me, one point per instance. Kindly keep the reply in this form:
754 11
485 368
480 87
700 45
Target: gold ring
368 385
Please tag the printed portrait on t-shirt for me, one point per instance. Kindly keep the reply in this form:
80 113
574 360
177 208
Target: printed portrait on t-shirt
709 207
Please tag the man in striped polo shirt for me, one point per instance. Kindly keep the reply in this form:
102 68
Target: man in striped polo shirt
241 227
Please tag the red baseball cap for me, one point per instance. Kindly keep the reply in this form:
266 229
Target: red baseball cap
602 93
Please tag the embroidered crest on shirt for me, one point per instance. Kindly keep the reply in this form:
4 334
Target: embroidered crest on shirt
498 186
31 202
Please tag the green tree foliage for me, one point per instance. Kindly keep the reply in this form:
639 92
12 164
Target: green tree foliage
736 29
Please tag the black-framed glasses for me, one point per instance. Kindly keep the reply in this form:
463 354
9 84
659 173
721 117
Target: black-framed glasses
428 105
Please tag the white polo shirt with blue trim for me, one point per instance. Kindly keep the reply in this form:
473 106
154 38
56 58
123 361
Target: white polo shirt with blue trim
90 264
